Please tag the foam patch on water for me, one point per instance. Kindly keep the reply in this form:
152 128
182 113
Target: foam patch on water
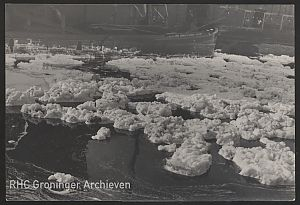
15 97
71 91
254 125
102 134
191 158
272 165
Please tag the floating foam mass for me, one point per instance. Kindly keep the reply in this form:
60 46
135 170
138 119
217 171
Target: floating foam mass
191 158
253 124
102 134
167 148
62 177
166 130
71 90
154 108
68 114
207 105
14 97
272 165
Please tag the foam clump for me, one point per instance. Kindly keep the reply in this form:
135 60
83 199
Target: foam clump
206 127
111 100
272 165
71 91
102 134
88 105
121 118
166 130
130 123
253 125
61 177
55 111
227 151
124 120
73 115
208 106
257 105
282 59
154 108
224 133
238 59
14 97
221 109
183 101
176 130
286 109
191 158
167 148
227 134
34 110
130 88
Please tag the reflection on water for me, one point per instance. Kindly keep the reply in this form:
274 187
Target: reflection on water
112 160
103 71
126 157
55 148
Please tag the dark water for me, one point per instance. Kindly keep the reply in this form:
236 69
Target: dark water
102 70
43 147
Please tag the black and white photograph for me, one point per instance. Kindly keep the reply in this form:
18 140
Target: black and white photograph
149 102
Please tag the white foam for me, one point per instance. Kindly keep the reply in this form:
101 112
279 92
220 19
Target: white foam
102 134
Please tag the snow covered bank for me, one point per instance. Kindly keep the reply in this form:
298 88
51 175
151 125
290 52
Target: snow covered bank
273 59
272 165
237 59
41 61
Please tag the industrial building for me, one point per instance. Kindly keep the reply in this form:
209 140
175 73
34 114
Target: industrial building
174 16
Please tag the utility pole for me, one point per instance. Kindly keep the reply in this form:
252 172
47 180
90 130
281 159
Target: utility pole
115 13
63 23
61 17
84 15
149 13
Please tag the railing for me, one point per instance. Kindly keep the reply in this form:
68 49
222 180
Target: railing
258 19
265 20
